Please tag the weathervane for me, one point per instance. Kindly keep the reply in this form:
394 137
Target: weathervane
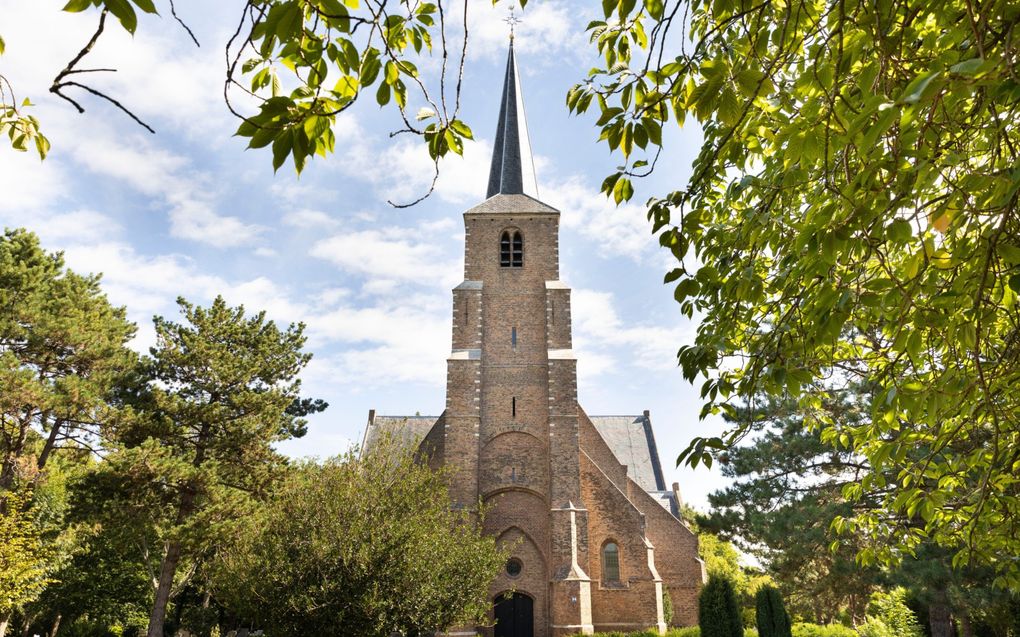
513 21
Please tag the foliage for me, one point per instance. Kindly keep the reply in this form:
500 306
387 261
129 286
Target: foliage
335 50
851 216
815 630
667 606
23 557
771 617
363 546
63 352
718 611
220 392
786 487
891 608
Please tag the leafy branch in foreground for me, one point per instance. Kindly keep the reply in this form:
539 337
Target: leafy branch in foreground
334 51
851 218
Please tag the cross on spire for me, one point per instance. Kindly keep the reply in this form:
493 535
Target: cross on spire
513 21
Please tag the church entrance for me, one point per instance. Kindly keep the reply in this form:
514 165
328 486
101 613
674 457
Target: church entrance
514 616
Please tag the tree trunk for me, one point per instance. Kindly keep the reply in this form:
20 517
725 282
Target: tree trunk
56 625
938 613
166 582
4 622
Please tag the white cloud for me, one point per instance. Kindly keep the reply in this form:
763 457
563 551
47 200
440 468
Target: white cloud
391 253
306 218
599 330
617 230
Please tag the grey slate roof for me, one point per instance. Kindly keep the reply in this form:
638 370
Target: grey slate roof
513 168
519 204
407 431
632 442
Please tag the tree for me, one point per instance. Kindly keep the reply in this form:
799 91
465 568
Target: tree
718 612
853 217
359 546
786 487
23 558
220 393
771 617
63 355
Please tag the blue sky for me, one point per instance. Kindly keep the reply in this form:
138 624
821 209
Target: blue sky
190 212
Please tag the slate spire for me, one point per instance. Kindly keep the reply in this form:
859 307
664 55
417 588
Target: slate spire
513 169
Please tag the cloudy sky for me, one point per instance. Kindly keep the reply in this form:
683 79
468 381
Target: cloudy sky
188 211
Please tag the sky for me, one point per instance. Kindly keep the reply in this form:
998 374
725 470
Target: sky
190 212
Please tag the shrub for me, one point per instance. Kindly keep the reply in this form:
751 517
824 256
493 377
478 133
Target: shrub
718 611
770 613
875 627
815 630
692 631
667 606
891 608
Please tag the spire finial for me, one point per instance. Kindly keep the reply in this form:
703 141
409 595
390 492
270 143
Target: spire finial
513 21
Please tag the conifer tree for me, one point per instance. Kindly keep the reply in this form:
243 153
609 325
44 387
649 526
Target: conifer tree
222 389
771 617
718 611
63 350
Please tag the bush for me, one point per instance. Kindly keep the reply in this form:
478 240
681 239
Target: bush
667 606
875 627
718 611
891 608
814 630
692 631
770 613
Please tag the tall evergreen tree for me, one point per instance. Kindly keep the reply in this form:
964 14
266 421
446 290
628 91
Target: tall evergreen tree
718 610
223 388
771 617
63 349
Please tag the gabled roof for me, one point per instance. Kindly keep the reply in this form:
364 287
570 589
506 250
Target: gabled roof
631 440
513 168
513 204
405 431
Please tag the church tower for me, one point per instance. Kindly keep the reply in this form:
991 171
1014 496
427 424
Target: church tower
595 535
511 410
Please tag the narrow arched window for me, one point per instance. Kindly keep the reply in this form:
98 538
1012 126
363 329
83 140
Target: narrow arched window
610 562
511 249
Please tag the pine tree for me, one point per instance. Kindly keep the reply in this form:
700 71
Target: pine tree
771 616
222 389
718 611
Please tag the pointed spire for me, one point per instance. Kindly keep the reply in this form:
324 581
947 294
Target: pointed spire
513 168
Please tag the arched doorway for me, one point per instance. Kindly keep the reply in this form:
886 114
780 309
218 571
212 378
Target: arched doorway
514 615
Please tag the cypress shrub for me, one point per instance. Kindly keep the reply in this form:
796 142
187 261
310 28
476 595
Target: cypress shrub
718 611
770 613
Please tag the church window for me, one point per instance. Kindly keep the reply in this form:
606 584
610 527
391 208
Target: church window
511 249
610 562
513 337
514 567
513 407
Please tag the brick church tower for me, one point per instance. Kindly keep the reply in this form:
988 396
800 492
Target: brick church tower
597 538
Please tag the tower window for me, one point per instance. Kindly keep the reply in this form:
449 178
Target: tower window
513 407
513 337
610 562
511 249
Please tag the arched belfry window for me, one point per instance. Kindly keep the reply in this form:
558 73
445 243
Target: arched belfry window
610 562
511 249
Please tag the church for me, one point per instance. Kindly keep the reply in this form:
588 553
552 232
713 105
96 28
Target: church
597 540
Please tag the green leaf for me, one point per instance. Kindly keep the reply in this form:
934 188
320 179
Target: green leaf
918 87
461 129
1009 252
382 94
125 13
145 5
76 6
281 149
968 67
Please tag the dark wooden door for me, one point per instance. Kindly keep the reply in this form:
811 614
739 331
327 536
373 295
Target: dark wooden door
514 616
